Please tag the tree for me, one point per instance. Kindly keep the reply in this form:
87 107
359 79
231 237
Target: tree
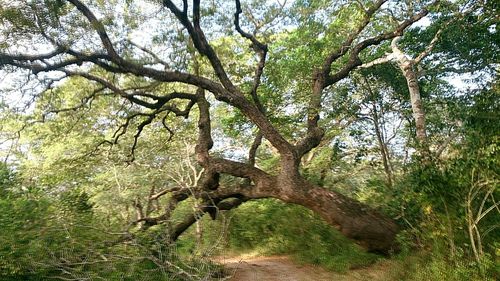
96 47
411 65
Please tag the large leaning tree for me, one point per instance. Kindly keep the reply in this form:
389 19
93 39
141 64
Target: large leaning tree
188 56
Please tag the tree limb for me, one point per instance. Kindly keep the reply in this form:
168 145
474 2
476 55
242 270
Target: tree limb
99 28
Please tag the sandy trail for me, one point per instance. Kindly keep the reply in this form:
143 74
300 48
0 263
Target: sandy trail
282 268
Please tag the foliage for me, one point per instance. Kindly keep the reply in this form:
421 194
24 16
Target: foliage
84 159
272 227
436 266
443 206
44 237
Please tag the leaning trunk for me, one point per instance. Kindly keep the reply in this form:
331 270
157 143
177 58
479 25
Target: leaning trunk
366 226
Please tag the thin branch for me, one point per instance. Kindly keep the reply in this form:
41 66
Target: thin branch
160 100
261 50
382 60
84 101
98 27
164 192
354 60
431 45
445 144
156 58
200 42
256 44
253 149
345 46
170 131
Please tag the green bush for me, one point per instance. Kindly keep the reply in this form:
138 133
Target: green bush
43 238
272 227
436 266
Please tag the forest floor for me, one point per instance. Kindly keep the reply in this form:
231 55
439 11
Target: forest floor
283 268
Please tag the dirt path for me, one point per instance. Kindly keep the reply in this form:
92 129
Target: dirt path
282 268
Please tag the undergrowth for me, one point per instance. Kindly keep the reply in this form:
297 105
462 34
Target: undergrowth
270 227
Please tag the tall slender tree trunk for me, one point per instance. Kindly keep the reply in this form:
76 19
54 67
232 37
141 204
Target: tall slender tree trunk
407 66
379 132
384 151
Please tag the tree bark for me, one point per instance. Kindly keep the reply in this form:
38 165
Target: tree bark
355 220
407 66
366 226
384 151
379 132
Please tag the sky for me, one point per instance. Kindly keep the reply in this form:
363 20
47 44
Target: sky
142 36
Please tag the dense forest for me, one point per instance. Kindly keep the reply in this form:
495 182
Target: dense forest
143 139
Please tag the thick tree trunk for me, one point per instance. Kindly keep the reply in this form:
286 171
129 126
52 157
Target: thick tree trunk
357 221
364 225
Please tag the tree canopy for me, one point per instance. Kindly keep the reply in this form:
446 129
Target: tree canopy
131 109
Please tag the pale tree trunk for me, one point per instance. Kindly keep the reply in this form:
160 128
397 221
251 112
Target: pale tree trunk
199 234
407 66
